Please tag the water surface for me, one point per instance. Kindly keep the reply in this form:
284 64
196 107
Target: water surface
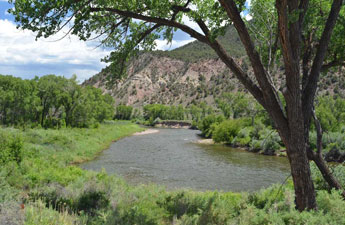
170 158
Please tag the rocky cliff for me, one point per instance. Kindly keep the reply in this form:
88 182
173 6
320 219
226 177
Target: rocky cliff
160 79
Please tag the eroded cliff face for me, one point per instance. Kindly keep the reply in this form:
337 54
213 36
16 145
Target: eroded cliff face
155 79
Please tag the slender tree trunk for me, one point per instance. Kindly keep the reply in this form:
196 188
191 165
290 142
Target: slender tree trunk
42 117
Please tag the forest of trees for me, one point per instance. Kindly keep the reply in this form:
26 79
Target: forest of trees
52 101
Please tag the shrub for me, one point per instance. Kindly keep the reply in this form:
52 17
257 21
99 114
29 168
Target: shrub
271 141
266 139
243 137
10 148
227 130
205 125
38 214
91 201
123 112
9 214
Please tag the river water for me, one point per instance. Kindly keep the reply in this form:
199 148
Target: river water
170 158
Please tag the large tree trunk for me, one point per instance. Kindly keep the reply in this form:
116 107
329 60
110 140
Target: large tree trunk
300 171
295 143
299 164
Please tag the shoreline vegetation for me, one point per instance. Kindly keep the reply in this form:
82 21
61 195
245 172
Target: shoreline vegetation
40 186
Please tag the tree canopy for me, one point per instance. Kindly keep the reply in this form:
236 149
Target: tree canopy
52 101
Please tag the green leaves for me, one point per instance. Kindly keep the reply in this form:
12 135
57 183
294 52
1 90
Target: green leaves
52 101
10 148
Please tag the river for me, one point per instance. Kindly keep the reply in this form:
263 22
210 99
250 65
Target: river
171 158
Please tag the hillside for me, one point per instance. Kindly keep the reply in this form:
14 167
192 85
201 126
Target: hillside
188 74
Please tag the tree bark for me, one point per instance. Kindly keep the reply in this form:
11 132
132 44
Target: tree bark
301 174
305 196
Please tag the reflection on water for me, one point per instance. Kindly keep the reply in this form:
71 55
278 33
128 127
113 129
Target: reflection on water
171 158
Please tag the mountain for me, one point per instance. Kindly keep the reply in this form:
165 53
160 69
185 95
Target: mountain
188 74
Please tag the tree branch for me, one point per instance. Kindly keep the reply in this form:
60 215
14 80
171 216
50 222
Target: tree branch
319 133
230 62
327 66
193 33
303 6
311 83
270 94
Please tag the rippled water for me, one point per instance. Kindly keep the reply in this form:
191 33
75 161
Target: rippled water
171 158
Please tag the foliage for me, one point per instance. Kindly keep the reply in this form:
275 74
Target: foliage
269 140
227 130
38 214
331 112
10 147
163 112
52 101
123 112
209 123
236 105
243 137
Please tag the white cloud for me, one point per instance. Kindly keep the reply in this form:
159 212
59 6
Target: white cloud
187 21
163 45
18 49
248 17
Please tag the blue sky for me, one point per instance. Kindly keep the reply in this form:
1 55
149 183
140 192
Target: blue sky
22 56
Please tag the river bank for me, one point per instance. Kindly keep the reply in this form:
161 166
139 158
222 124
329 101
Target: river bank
332 156
147 131
209 141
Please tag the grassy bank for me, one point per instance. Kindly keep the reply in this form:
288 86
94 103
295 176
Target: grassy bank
42 185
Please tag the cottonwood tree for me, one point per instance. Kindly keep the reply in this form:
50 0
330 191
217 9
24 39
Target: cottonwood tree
133 25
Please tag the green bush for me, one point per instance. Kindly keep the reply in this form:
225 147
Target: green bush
271 140
10 148
91 201
266 140
227 130
123 112
205 125
243 137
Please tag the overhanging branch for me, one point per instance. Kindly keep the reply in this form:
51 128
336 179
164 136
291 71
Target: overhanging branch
193 33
